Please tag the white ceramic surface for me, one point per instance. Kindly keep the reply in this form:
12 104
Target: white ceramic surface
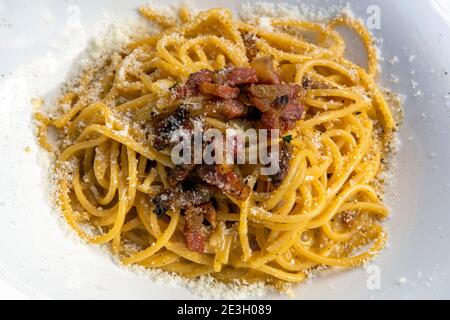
41 260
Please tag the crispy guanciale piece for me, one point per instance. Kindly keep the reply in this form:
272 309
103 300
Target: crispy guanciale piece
218 90
191 87
291 111
242 76
263 95
193 229
232 76
228 182
220 84
229 109
265 70
285 157
179 119
279 103
176 198
283 118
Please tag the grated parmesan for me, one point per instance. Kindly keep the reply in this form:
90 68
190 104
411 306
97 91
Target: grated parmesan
113 39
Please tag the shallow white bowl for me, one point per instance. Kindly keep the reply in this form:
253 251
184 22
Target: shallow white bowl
41 259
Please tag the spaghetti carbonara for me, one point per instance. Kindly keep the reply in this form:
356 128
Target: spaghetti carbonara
118 184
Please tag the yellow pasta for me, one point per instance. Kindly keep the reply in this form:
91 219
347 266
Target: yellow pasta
325 211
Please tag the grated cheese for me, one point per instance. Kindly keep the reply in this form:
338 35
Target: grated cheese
113 39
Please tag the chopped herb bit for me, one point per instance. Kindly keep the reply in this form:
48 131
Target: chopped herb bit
288 138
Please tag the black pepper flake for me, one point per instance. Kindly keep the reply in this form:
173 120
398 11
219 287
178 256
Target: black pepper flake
281 100
160 206
174 86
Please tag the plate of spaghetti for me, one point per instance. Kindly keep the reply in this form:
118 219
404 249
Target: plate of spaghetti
233 151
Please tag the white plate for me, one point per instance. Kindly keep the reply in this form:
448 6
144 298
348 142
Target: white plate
39 258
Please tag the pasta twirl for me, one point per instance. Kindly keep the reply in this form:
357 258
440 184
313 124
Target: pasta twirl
326 211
